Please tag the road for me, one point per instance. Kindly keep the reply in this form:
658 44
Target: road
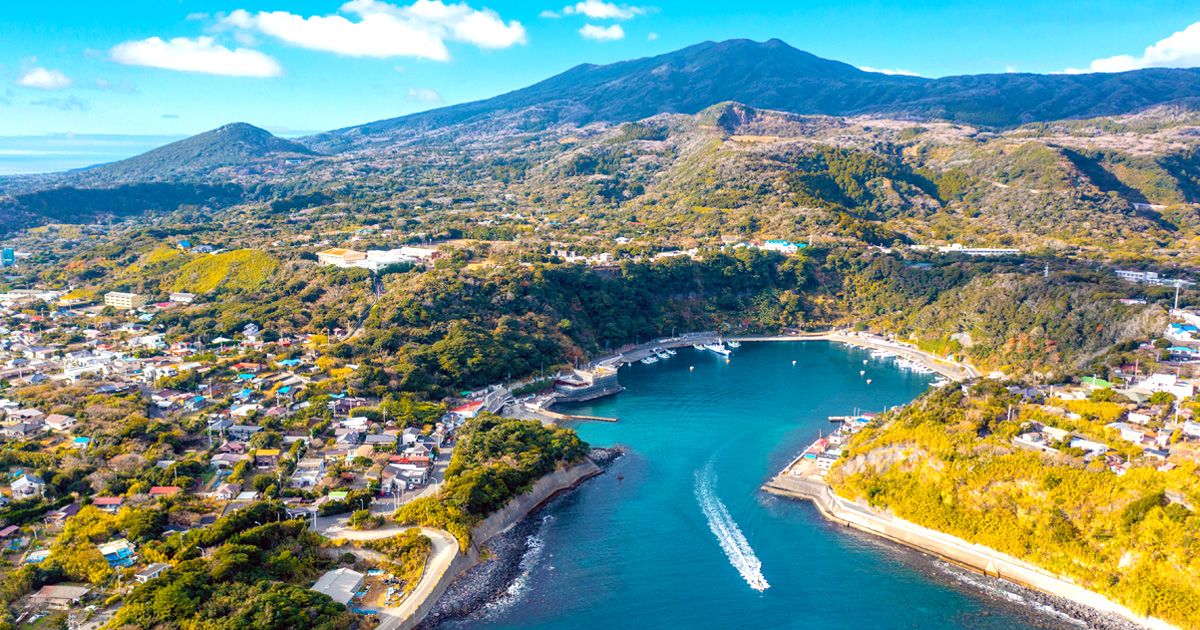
445 549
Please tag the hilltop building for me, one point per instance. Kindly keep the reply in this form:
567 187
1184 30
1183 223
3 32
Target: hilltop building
124 301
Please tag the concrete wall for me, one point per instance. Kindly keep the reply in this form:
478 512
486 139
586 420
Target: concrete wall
543 490
977 557
516 509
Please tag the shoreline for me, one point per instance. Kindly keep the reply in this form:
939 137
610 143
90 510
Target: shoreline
499 523
976 558
510 554
953 370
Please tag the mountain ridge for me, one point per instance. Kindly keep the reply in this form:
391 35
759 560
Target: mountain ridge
774 75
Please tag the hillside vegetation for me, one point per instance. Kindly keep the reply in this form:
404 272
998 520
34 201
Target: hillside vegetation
945 462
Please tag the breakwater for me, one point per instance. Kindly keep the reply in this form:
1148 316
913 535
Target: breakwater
978 558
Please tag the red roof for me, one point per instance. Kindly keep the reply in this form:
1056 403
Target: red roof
107 501
9 531
468 407
165 491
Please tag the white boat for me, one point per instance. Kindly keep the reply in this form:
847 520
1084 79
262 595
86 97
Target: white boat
650 360
717 348
662 354
697 346
671 352
734 344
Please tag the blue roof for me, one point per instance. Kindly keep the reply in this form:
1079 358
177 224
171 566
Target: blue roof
290 362
1187 327
285 389
82 440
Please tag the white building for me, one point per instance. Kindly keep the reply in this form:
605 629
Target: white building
957 248
340 584
124 301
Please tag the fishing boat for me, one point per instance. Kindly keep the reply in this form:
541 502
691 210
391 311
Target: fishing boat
697 346
650 360
718 348
734 344
670 352
660 353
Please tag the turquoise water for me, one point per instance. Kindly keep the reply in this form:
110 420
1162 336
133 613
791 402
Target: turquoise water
639 552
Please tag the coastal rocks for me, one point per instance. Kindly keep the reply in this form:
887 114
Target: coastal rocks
512 546
604 457
487 587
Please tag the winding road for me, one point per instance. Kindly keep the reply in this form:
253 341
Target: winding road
445 549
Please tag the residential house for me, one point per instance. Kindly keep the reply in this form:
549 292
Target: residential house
58 596
266 458
150 572
59 422
118 553
227 491
309 473
27 487
109 504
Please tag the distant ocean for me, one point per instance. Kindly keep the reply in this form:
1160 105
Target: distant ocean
61 152
678 535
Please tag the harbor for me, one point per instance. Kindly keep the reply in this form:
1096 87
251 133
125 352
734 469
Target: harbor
700 443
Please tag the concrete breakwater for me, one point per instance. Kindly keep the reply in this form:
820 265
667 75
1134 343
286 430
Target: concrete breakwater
955 550
512 513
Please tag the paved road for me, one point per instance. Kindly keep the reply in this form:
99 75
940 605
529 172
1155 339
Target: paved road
445 549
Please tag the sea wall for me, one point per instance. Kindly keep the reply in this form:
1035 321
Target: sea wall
956 550
543 490
516 509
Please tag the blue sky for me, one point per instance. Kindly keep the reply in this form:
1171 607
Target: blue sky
177 67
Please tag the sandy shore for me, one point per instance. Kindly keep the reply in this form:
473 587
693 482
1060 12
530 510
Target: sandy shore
953 370
955 550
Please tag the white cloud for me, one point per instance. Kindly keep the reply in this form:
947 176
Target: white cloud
202 55
600 10
602 33
424 96
895 71
45 79
550 15
1179 50
379 29
651 36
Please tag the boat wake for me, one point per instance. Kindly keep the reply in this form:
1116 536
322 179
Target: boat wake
729 535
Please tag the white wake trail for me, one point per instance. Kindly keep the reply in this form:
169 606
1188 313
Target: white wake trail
729 535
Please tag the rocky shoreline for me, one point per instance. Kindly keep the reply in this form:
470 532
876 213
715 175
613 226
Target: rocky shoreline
497 578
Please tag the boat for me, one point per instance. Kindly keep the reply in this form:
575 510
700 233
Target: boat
734 344
649 360
660 353
718 348
670 352
697 346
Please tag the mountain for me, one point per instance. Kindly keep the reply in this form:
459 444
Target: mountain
774 75
236 144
